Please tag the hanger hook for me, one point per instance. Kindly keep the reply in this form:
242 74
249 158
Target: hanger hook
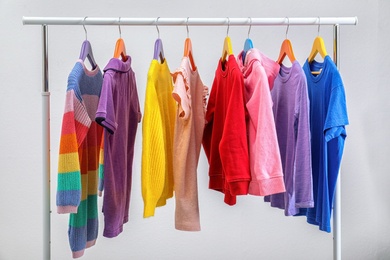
319 24
119 25
250 26
158 30
288 25
227 31
188 32
86 34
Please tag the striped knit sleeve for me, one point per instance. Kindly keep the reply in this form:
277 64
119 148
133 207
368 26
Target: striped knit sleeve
75 125
101 167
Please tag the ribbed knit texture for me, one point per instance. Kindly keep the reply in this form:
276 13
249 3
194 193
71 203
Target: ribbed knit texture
101 168
79 154
157 138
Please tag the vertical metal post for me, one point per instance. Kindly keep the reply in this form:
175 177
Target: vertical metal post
337 198
46 144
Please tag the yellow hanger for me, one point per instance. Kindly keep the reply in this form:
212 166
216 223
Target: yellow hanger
318 47
286 48
188 49
120 48
227 45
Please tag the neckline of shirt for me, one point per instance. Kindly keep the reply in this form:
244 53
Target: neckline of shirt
322 66
224 66
90 73
285 72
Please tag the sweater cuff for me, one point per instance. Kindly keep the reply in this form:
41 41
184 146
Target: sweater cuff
66 209
216 182
239 187
149 209
271 186
78 254
229 199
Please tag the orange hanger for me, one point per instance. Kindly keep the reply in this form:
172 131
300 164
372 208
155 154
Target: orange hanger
120 48
188 53
286 48
227 45
188 49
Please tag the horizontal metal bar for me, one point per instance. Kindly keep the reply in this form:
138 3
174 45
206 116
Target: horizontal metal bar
190 21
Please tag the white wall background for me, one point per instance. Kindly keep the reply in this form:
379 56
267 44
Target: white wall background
249 230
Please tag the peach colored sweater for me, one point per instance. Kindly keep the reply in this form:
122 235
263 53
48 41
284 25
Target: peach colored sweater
190 94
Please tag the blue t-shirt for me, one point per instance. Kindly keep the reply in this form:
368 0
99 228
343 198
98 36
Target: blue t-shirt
328 117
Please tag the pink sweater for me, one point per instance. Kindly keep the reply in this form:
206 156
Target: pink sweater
264 157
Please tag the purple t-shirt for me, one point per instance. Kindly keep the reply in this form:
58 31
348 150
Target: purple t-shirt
119 113
291 113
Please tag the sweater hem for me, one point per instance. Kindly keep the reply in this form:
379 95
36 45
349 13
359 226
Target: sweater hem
113 233
77 254
189 227
267 186
216 182
90 243
149 210
239 187
66 209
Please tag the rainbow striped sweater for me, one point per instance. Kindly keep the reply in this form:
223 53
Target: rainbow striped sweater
80 157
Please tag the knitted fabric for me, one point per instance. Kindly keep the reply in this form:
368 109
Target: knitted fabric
157 138
79 155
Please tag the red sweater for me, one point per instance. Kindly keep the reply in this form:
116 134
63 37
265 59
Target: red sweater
225 136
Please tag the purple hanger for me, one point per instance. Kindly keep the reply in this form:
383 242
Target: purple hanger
158 50
86 52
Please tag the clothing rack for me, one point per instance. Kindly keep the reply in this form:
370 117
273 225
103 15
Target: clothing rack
284 21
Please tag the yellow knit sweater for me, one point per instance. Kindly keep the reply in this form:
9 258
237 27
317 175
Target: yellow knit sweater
157 138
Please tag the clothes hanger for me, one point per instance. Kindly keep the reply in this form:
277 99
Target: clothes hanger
188 49
227 45
158 46
318 47
120 48
248 44
86 49
286 48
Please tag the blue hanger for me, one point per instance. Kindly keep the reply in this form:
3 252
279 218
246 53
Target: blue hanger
158 46
248 43
86 50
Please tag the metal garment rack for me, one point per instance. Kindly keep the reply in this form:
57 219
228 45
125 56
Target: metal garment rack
123 21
